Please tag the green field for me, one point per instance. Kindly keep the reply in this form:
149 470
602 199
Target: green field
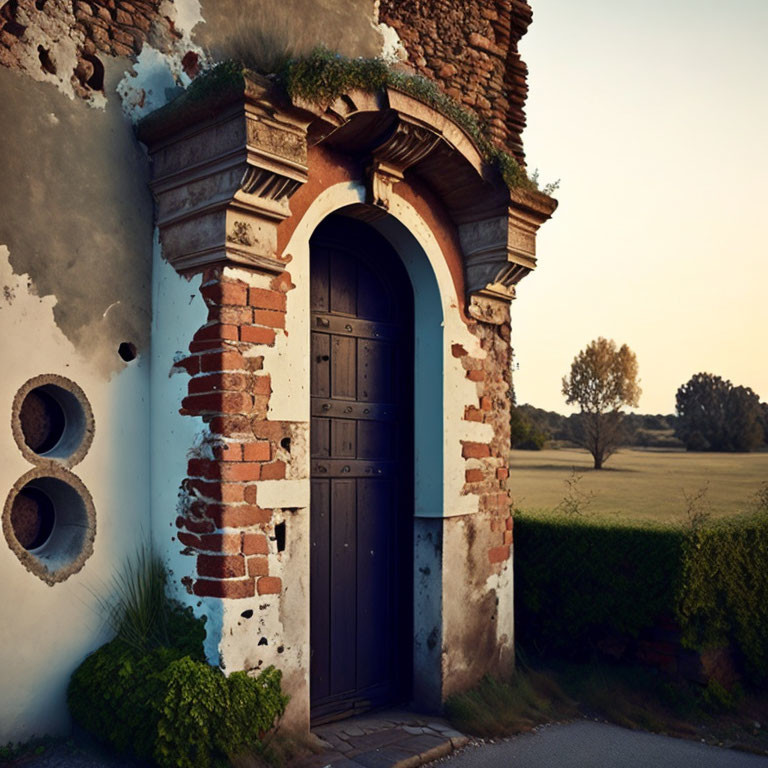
638 484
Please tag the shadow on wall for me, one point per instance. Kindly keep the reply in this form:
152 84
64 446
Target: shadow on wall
77 213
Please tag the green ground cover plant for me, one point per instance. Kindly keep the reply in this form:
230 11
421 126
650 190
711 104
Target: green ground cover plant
150 693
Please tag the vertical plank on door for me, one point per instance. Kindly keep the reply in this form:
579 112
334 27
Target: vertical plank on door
343 615
320 586
374 567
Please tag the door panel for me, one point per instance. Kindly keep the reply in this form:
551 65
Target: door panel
361 468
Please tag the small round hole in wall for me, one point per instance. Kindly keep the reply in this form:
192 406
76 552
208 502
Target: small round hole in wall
49 523
127 351
52 420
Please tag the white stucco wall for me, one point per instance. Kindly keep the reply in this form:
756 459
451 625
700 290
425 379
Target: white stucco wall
46 631
178 310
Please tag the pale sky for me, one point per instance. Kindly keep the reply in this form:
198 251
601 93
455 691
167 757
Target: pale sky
654 115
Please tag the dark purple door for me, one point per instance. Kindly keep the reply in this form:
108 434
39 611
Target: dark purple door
361 468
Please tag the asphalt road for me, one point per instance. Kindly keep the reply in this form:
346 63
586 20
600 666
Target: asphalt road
587 744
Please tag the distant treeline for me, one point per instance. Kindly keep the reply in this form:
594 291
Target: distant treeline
534 428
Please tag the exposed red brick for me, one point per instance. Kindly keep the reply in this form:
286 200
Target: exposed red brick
231 588
231 315
250 494
486 403
221 566
498 554
258 566
273 471
269 585
260 451
197 526
458 350
471 413
227 543
474 475
267 430
230 426
261 385
226 360
239 472
217 382
502 473
507 537
188 539
509 523
476 375
269 317
228 451
190 364
255 544
216 331
217 491
471 450
263 299
238 515
225 293
218 402
256 335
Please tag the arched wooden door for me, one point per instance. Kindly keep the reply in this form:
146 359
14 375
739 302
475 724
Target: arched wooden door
361 467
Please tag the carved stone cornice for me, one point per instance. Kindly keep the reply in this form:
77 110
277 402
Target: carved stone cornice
222 184
227 158
500 248
407 145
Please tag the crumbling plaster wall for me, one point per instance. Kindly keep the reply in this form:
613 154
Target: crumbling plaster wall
45 631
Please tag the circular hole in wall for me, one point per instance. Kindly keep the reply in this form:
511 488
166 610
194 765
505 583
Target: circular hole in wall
49 523
127 351
52 420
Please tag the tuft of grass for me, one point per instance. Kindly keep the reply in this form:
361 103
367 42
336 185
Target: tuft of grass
265 38
140 613
498 708
323 76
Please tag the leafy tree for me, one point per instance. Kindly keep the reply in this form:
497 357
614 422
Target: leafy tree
602 380
714 415
525 434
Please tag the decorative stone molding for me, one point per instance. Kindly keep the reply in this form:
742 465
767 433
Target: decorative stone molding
501 250
408 144
227 158
222 184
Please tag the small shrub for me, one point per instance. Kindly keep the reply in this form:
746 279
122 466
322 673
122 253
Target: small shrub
169 708
150 693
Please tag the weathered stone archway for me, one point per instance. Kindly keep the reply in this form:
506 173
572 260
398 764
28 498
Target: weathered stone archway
242 178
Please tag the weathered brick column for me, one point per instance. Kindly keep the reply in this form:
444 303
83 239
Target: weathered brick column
221 521
221 189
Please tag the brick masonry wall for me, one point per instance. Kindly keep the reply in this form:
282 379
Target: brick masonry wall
470 48
221 523
31 32
486 463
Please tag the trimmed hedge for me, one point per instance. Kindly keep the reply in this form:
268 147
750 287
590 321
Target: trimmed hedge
580 580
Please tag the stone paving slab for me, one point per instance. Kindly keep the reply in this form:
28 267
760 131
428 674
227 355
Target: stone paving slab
391 739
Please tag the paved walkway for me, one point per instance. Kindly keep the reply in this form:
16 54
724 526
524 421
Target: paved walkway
384 740
585 744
